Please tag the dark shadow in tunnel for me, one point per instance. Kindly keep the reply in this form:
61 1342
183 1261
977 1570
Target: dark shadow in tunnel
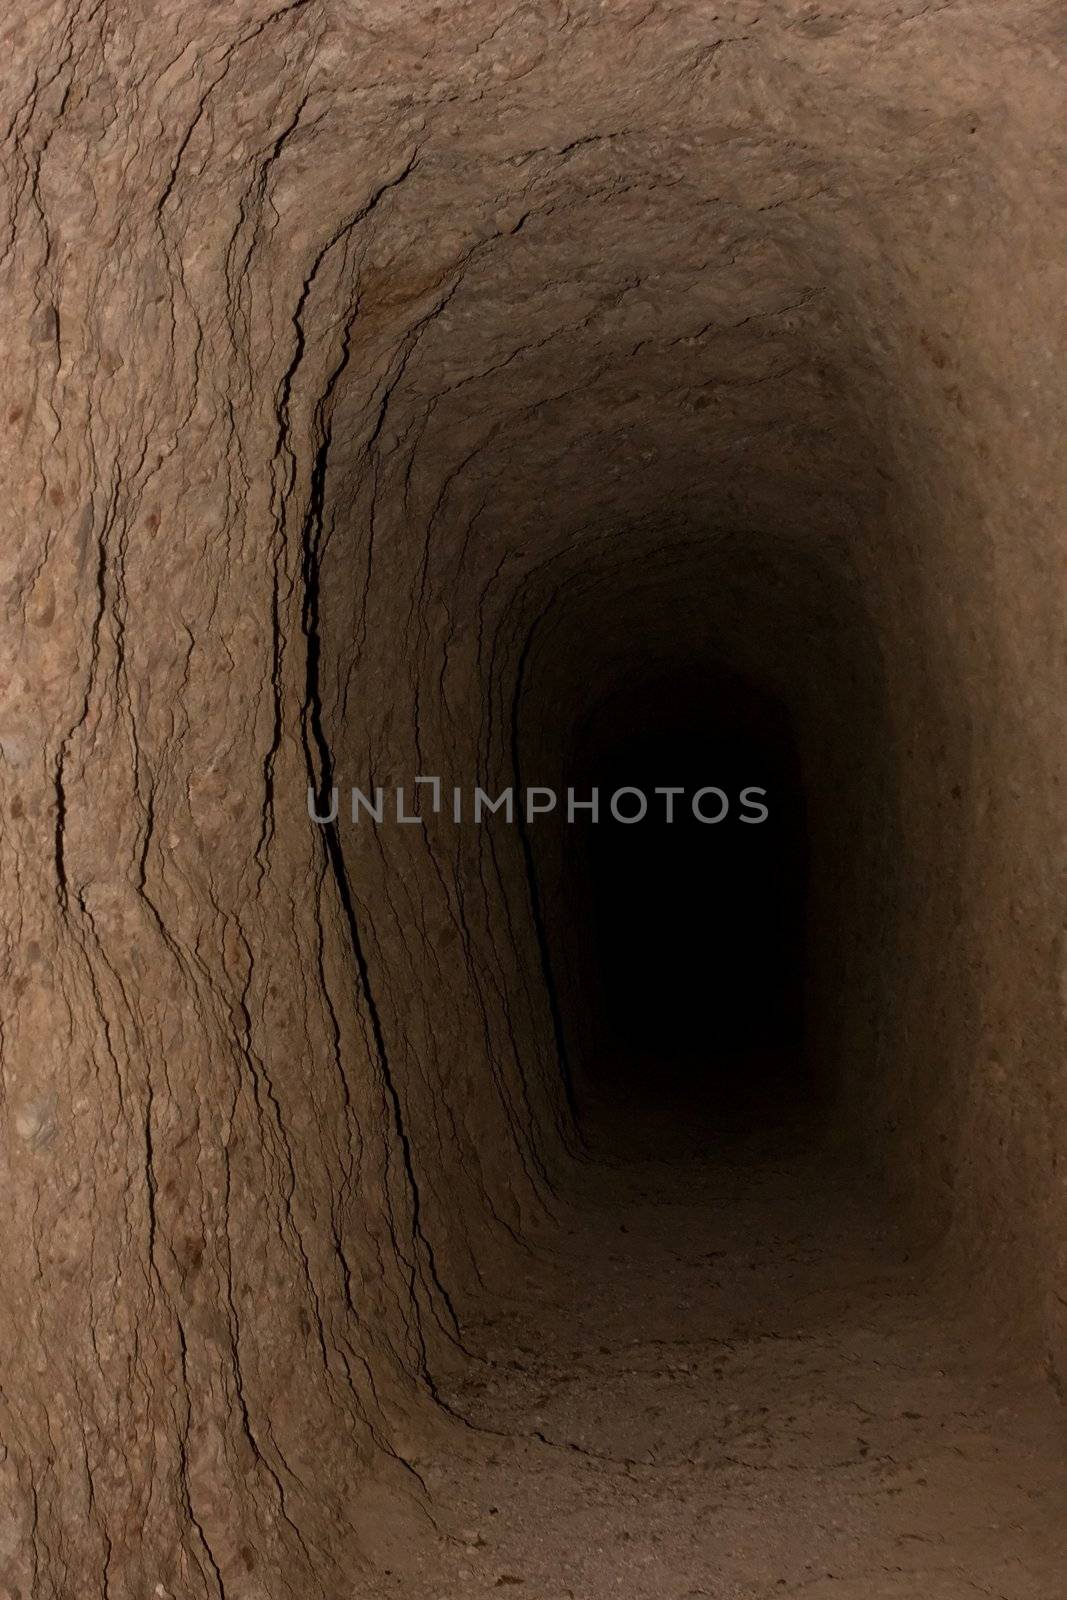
697 922
695 925
711 977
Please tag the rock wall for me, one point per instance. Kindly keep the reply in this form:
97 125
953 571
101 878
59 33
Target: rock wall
374 375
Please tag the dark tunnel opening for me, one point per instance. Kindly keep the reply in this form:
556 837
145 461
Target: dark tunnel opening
707 971
694 897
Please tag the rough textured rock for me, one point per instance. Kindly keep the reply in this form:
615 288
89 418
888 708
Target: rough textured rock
375 376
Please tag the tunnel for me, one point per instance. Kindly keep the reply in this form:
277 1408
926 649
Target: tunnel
698 935
532 1050
672 866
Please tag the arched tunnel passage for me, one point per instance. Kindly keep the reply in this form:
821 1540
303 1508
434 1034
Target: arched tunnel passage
687 890
426 398
737 954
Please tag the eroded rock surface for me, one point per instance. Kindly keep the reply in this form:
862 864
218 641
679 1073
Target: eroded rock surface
361 362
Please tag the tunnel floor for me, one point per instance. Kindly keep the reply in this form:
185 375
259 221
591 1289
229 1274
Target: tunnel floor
731 1379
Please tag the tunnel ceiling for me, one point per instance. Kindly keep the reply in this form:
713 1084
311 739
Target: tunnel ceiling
624 261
